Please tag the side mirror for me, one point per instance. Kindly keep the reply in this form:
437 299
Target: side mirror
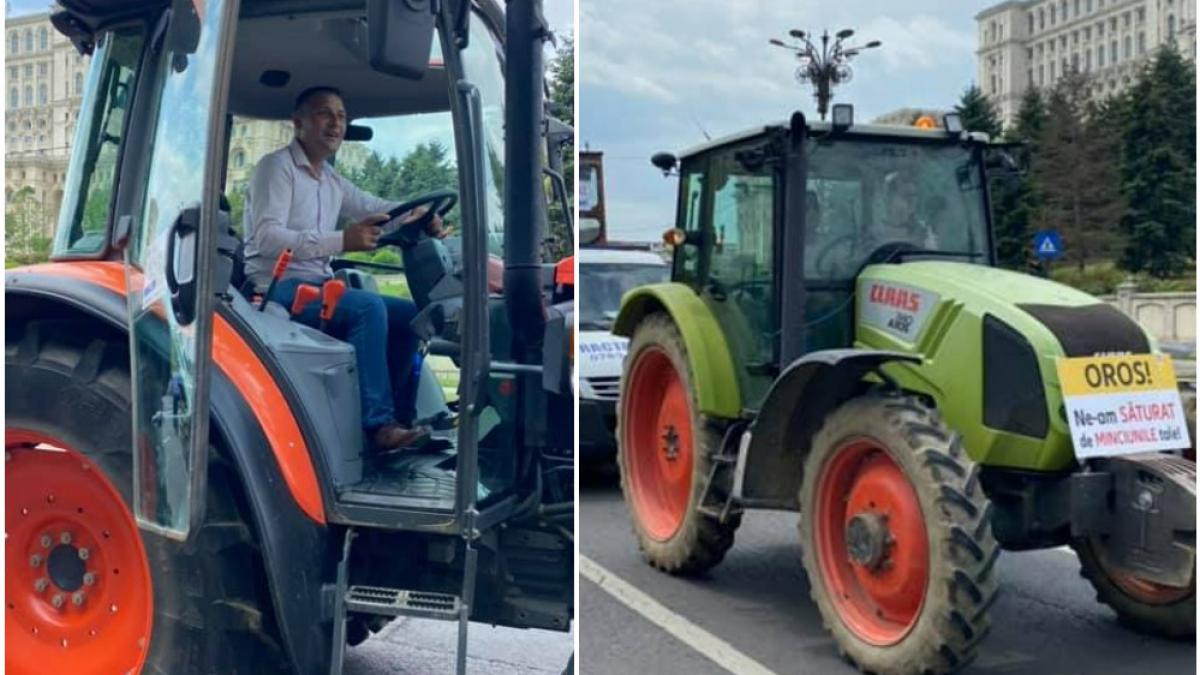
665 161
357 132
400 36
589 231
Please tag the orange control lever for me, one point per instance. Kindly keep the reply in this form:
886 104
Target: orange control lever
305 294
331 295
281 266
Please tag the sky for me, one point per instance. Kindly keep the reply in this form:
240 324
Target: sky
655 76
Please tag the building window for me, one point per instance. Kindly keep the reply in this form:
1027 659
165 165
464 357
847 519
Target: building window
1051 72
1141 43
1074 38
1128 48
28 96
993 84
28 40
13 42
1029 53
42 94
14 97
78 83
1029 78
28 70
239 159
1064 10
1041 19
1053 15
1041 75
1100 29
1075 61
1076 10
43 39
1112 25
1141 15
1112 51
1089 6
1100 56
1031 24
1171 27
12 72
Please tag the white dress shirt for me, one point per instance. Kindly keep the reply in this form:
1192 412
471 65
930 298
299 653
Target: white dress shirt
286 207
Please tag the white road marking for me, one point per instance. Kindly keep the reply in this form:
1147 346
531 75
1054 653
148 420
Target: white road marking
712 647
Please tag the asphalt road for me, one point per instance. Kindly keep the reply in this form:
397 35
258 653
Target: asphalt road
1045 621
423 647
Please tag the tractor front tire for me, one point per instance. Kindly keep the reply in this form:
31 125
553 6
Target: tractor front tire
146 603
665 454
896 538
1144 606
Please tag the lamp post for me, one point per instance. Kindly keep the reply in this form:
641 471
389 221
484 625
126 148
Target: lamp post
825 66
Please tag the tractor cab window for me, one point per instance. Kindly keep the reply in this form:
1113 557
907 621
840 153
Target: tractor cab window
691 187
740 233
87 199
866 195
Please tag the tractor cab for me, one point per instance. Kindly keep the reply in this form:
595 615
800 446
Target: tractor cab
793 214
182 99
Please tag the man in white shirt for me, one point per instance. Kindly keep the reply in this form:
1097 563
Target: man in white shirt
295 201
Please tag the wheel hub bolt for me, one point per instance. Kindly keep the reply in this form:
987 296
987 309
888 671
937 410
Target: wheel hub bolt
77 598
35 560
46 541
89 579
65 538
867 539
41 585
57 600
84 554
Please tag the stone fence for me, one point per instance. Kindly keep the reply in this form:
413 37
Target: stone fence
1169 317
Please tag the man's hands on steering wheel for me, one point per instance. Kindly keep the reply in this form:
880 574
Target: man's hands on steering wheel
425 219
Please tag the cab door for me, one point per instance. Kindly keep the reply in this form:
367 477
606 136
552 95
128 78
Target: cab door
169 260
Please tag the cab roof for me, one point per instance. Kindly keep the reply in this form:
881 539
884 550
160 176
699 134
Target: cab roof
880 130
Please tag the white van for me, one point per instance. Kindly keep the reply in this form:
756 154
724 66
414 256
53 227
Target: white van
605 275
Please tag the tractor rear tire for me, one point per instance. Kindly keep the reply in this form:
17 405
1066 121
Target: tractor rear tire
69 387
665 454
896 538
1144 606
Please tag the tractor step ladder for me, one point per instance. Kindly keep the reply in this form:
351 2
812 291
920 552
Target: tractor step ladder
399 602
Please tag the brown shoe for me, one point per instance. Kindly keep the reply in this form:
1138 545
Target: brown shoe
391 437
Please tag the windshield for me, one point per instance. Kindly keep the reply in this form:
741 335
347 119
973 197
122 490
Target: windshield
481 65
863 194
602 285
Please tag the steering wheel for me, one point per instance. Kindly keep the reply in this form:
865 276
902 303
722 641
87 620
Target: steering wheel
408 234
819 262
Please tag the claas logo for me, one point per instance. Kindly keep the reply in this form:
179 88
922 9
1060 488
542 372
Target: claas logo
900 298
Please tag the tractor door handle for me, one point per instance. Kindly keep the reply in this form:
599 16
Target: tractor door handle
181 264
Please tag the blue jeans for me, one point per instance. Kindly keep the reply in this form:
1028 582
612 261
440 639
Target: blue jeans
377 326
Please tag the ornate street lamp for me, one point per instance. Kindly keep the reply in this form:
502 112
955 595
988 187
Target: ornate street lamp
826 66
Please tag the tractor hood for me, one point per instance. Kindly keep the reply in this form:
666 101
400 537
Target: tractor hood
1080 324
989 343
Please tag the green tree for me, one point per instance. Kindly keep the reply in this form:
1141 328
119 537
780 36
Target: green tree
1015 206
1075 171
25 227
1158 166
562 106
978 113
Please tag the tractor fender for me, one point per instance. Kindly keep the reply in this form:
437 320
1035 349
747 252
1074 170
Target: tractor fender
771 455
713 375
294 545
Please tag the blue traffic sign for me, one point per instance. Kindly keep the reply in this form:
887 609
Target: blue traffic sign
1047 245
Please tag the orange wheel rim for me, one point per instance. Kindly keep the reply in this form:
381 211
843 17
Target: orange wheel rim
658 444
872 547
1142 590
78 594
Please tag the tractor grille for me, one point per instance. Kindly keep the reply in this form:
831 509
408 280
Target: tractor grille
607 388
1013 395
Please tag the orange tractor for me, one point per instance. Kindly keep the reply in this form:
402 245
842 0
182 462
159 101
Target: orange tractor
187 487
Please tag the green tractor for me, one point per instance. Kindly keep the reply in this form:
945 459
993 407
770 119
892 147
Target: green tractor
836 340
